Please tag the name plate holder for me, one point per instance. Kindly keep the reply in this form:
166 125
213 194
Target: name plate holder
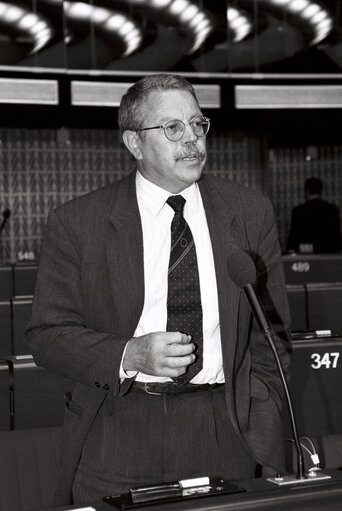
172 492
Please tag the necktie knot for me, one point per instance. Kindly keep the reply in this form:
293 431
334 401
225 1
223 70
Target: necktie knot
176 202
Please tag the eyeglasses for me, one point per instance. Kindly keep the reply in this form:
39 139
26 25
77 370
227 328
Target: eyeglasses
174 130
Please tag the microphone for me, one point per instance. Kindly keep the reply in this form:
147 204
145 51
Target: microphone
242 271
6 214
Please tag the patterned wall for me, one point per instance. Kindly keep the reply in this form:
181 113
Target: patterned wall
42 168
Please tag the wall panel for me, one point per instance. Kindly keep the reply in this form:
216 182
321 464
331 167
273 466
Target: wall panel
42 168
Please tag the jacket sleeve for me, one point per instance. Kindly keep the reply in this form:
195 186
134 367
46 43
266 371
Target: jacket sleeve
271 289
57 334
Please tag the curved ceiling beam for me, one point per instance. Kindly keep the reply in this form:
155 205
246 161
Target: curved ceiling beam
273 45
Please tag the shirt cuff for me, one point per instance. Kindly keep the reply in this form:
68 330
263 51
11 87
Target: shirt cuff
126 374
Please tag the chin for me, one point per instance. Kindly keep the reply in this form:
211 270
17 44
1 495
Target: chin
192 176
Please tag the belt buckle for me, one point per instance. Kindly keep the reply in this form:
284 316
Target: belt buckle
150 392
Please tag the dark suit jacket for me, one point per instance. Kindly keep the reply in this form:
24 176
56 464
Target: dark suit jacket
316 222
90 294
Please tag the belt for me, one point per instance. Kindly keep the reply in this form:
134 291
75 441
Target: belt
157 389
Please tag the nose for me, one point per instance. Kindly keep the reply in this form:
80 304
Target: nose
189 135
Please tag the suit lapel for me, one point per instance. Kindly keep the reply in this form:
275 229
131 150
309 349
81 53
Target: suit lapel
125 255
227 236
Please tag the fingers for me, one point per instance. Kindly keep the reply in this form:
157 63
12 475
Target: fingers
177 338
179 354
179 350
160 354
180 362
176 366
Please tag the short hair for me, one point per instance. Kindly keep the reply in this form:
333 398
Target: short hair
314 186
130 111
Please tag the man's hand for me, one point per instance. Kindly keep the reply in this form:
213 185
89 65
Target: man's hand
159 354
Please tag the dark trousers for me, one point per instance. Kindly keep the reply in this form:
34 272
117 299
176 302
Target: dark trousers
141 439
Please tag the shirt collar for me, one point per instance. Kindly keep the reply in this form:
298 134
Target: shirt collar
155 197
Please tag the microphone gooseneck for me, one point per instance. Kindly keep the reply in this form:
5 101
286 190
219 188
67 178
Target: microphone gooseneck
241 269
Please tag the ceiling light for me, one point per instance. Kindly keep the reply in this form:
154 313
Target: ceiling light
38 27
186 13
126 28
197 19
320 16
232 13
311 10
119 24
178 6
134 32
13 13
189 13
298 5
115 22
78 9
326 23
280 2
160 4
27 21
237 22
34 26
201 36
203 25
100 15
132 45
243 30
306 11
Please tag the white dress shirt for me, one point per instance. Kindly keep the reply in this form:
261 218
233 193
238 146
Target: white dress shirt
156 218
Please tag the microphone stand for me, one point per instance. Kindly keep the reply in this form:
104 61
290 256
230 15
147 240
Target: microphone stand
301 476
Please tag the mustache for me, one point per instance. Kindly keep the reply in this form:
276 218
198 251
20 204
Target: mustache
191 152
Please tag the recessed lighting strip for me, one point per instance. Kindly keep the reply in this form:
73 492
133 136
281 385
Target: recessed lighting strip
310 12
22 20
114 22
185 12
239 24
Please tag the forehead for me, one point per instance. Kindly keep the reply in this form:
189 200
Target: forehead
170 104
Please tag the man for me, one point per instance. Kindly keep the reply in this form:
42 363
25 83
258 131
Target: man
315 225
173 379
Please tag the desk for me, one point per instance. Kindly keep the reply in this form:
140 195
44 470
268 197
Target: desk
315 383
260 496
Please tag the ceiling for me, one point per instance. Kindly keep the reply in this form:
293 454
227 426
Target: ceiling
202 36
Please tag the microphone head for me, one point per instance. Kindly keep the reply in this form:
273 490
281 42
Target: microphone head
241 269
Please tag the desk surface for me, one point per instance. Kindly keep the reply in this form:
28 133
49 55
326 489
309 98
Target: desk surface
261 495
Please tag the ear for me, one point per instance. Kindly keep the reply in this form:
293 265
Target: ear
132 141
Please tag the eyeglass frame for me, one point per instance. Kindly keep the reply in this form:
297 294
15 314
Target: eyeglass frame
162 126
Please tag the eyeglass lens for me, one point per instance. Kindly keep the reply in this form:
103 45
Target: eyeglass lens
174 130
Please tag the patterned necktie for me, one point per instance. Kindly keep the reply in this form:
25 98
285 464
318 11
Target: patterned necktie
184 308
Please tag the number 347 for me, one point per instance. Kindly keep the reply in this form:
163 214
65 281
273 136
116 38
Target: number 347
326 360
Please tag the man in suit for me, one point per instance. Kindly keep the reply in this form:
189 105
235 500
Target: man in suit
173 379
315 225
